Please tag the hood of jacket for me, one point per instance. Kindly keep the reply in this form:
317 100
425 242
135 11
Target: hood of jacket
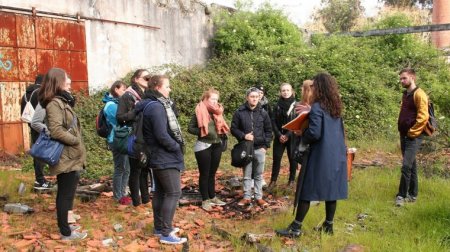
108 97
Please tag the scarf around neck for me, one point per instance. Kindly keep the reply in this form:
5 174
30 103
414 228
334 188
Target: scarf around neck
68 98
174 126
286 104
203 112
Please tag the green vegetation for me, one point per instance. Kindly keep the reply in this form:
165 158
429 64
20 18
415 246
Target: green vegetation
264 47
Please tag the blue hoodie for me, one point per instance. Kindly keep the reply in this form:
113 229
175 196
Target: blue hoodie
166 151
110 110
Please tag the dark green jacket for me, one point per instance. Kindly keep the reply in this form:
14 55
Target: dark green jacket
212 136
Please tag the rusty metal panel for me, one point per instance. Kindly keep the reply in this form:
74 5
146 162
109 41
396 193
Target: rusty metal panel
62 59
44 33
78 66
61 39
77 36
25 31
12 133
10 95
80 86
44 60
8 64
27 64
7 29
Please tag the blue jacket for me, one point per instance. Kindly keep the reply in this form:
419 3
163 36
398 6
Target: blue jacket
326 170
261 126
165 151
110 110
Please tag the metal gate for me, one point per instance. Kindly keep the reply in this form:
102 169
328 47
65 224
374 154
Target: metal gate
30 45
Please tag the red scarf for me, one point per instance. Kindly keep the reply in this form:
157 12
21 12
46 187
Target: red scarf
203 111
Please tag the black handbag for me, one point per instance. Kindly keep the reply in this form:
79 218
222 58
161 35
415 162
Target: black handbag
242 153
224 142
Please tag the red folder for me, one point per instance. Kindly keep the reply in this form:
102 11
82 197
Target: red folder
299 123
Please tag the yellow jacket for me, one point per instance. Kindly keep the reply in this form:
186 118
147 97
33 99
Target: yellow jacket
421 102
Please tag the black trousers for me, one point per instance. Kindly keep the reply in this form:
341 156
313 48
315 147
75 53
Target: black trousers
67 186
138 181
278 150
38 165
208 161
165 198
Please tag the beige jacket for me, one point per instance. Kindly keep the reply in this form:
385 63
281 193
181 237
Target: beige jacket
60 116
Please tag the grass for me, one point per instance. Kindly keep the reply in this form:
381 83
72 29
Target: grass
420 226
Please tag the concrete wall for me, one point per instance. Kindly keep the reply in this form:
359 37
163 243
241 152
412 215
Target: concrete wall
113 50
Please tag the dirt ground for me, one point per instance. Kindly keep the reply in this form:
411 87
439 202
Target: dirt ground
38 231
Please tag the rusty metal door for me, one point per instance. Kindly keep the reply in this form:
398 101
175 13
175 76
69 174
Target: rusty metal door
31 45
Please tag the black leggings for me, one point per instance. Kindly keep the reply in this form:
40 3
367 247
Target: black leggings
208 161
67 186
278 150
303 207
138 181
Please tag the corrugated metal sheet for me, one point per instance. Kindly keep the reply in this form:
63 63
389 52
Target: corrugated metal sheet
28 46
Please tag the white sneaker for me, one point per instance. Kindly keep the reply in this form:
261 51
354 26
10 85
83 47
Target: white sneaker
75 235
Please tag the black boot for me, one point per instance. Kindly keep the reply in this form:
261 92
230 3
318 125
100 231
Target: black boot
327 227
293 230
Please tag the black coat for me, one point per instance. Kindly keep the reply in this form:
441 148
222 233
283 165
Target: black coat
126 114
257 120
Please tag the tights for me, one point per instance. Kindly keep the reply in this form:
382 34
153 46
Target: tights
303 207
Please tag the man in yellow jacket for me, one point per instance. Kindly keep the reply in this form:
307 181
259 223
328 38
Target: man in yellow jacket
412 121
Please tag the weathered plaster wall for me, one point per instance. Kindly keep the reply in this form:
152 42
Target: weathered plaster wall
116 49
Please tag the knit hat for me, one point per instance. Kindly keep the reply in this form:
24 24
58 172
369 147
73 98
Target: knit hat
252 89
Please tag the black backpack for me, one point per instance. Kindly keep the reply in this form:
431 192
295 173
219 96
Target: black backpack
101 125
137 148
242 153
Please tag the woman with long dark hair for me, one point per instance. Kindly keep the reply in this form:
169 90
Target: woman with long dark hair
325 177
62 122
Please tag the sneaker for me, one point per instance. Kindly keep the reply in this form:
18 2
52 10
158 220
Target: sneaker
172 239
74 236
43 185
244 202
74 228
125 200
262 203
216 201
159 232
291 231
410 199
399 201
207 205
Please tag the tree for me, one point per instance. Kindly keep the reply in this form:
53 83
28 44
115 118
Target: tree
340 15
408 3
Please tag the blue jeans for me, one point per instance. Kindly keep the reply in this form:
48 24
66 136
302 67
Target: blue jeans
121 173
408 180
165 198
255 168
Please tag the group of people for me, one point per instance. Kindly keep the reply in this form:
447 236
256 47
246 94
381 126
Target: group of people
324 170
